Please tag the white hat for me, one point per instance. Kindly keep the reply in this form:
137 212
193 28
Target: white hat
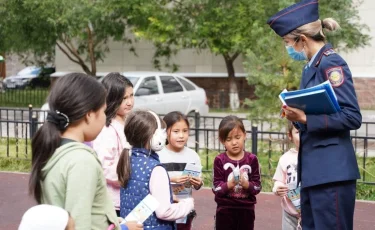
43 217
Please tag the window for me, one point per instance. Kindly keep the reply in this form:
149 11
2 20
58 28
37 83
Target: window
149 86
188 86
170 84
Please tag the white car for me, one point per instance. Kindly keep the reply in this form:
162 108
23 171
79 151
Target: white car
167 92
164 93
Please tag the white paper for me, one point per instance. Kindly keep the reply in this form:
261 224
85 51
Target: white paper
143 210
192 170
281 98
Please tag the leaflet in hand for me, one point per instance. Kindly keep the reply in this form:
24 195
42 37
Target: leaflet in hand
294 196
192 170
319 99
143 210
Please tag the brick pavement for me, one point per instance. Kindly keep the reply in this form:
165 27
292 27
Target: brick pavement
14 201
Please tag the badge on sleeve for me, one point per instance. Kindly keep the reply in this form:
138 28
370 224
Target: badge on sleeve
335 75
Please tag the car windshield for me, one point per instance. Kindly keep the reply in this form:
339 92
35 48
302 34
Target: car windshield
133 79
30 71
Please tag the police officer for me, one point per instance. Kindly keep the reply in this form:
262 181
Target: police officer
327 165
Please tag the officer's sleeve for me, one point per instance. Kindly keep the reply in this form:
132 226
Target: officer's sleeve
335 69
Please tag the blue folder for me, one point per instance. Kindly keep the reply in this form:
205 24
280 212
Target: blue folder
320 99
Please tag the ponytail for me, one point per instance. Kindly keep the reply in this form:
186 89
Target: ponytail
315 29
45 142
71 98
124 168
330 24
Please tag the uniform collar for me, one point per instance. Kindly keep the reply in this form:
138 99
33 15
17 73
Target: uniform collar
320 53
316 58
313 57
308 73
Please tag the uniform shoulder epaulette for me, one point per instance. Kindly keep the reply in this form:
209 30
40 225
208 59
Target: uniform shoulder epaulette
329 52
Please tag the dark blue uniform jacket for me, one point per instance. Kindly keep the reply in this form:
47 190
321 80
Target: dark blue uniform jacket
326 151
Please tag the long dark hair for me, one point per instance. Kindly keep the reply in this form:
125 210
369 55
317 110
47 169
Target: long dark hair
172 118
140 127
74 95
116 85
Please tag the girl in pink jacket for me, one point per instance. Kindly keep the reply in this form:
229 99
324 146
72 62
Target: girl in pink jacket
111 140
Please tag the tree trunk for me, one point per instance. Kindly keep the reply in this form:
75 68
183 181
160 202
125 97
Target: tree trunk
234 100
91 50
71 52
2 66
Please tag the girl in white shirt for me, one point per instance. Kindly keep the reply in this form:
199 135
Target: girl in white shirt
111 140
286 179
175 156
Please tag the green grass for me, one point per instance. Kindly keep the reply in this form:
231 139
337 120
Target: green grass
23 97
268 162
15 148
15 159
15 165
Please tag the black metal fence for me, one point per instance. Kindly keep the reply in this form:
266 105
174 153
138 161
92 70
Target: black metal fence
266 140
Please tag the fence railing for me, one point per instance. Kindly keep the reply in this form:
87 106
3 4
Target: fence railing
23 97
268 141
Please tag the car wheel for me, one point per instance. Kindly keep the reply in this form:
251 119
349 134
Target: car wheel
191 119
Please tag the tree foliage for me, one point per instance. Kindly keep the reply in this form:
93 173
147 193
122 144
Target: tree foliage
81 29
226 28
271 69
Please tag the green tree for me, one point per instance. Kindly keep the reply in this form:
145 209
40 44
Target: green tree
81 29
226 28
271 69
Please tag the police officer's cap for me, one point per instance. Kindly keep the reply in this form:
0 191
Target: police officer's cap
294 16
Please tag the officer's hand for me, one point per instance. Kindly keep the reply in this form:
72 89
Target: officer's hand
281 191
294 114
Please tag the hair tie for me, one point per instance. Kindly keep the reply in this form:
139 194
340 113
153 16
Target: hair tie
321 21
58 118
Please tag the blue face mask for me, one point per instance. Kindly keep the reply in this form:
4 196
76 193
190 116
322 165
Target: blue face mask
298 56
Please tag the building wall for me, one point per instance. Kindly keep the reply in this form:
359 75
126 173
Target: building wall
13 64
365 92
121 59
208 70
362 60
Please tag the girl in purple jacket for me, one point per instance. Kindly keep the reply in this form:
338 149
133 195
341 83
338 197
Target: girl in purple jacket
236 179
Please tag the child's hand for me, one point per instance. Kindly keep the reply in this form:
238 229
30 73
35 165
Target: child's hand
180 179
177 189
175 199
231 183
281 191
244 181
196 182
133 225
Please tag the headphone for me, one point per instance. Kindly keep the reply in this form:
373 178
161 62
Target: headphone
160 136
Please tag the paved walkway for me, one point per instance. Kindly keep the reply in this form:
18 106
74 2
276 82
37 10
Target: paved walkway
14 201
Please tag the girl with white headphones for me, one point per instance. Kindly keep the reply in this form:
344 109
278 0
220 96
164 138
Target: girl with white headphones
142 173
